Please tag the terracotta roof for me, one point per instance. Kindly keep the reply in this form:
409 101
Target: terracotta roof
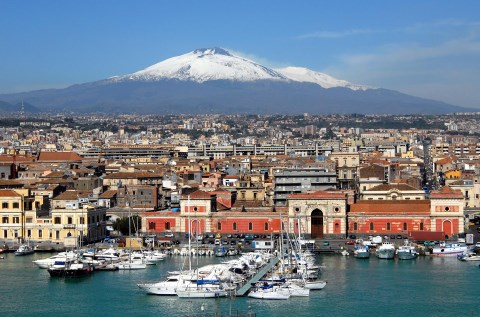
318 195
108 194
9 193
446 160
198 194
446 192
390 206
372 171
73 195
124 175
10 182
59 156
8 158
55 175
387 187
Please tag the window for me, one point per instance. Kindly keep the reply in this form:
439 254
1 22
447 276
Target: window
421 226
57 234
355 226
388 226
82 220
234 226
219 226
69 220
16 205
447 208
250 226
405 226
167 225
57 220
4 219
151 225
5 234
29 233
5 205
16 219
371 225
29 220
255 196
265 226
364 187
40 233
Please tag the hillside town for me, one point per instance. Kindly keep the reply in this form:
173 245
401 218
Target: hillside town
66 179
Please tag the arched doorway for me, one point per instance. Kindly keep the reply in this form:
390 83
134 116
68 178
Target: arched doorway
317 224
447 228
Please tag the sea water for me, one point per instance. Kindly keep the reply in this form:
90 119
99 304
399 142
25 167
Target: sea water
426 286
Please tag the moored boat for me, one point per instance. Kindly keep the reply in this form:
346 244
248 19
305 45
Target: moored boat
385 251
449 249
407 251
24 249
361 252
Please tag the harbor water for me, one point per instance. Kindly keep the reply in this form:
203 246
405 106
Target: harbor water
426 286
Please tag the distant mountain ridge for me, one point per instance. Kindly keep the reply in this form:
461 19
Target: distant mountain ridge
213 80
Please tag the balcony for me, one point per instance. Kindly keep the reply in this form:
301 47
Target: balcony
69 226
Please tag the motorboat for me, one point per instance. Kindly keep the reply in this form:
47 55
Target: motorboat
385 251
407 252
57 269
47 262
132 265
78 269
449 249
361 252
468 256
24 249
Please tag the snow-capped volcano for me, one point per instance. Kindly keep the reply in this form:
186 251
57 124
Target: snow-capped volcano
207 64
214 80
302 74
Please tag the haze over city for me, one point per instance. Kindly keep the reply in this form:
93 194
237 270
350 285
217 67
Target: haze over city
427 49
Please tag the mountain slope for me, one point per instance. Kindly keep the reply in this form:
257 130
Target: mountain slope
216 81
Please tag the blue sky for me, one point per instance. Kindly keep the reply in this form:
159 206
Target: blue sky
425 48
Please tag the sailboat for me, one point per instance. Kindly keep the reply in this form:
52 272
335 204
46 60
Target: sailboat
131 264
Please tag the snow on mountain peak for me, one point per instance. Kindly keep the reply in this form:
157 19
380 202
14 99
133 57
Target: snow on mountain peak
326 81
206 64
216 63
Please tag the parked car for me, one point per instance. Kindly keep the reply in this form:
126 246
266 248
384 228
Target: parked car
352 236
233 242
350 242
399 236
392 236
249 237
217 241
168 234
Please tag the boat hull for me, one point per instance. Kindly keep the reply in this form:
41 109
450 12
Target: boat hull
386 254
407 255
201 293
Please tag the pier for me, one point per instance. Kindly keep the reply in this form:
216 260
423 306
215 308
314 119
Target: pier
261 273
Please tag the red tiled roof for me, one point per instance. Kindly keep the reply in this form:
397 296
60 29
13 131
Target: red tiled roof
390 206
386 187
125 175
198 194
9 193
59 156
72 195
446 192
108 194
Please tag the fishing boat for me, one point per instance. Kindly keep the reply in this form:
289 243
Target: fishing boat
449 249
361 252
468 256
385 251
407 251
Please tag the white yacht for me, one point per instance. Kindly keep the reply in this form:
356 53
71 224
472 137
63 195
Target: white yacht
47 262
385 251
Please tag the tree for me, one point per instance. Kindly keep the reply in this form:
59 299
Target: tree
121 224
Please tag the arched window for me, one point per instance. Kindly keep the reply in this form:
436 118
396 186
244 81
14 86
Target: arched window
388 226
371 225
219 226
234 226
167 225
265 225
355 226
421 226
250 226
405 226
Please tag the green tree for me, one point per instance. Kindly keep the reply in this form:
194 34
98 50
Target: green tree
121 224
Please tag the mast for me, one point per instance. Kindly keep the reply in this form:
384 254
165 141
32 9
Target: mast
189 236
